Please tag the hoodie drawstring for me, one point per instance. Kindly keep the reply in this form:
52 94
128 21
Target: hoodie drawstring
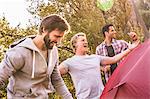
33 65
49 66
50 61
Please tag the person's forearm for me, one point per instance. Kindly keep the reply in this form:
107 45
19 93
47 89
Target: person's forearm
115 59
119 56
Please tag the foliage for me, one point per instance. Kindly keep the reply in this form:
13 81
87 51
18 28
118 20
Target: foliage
83 16
9 34
144 9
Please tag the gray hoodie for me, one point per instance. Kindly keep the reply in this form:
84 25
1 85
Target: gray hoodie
28 72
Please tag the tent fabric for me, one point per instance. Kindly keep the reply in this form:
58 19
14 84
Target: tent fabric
131 79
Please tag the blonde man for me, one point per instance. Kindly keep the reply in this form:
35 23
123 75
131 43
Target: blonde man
85 69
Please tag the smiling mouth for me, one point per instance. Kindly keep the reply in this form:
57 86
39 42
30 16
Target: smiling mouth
85 45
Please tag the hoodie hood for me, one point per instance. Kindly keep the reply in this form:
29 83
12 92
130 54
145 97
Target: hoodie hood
26 42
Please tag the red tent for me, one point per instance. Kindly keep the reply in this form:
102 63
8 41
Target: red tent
131 79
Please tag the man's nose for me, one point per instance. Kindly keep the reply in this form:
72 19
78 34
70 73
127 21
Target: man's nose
86 42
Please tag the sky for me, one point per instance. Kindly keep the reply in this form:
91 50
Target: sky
15 12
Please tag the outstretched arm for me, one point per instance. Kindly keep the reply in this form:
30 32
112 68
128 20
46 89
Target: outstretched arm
116 58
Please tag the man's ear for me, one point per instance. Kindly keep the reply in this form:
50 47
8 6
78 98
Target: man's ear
44 32
42 28
75 46
106 33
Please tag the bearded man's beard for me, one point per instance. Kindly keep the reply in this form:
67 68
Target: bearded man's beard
48 43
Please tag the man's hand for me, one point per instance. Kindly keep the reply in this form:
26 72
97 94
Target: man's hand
133 36
134 45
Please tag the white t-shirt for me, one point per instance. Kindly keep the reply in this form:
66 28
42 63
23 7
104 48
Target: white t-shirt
85 73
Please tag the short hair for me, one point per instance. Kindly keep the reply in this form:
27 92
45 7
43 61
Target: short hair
53 22
74 39
106 28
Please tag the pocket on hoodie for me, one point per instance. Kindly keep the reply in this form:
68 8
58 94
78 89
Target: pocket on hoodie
18 94
39 91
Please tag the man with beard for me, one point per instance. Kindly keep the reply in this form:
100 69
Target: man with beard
85 69
31 63
110 47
